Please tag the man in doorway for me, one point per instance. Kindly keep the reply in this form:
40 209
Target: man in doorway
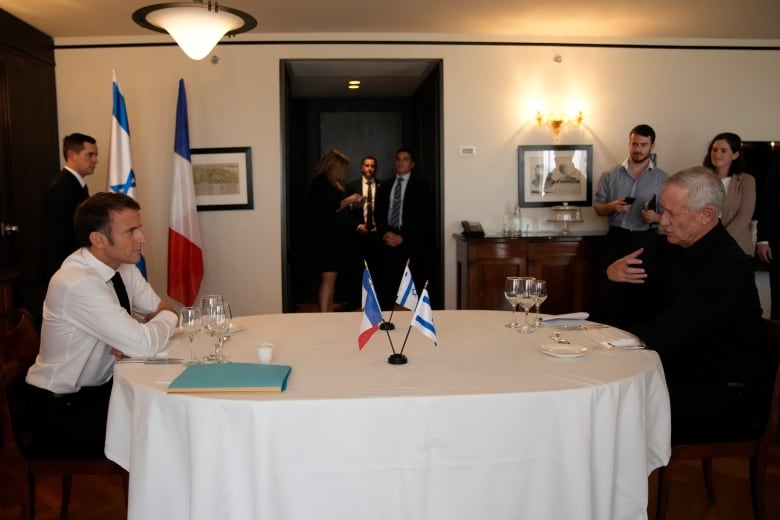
706 320
627 195
768 246
64 194
405 222
366 239
88 320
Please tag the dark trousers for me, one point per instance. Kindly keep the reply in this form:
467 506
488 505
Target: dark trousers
69 425
717 412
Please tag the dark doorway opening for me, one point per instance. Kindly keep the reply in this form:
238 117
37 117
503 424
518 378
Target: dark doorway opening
399 105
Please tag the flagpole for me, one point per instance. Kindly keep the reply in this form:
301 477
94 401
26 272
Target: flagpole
388 325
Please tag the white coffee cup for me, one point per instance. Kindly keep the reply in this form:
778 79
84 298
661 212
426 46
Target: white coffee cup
265 352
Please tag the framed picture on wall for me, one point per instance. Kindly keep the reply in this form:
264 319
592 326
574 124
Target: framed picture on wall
548 175
223 178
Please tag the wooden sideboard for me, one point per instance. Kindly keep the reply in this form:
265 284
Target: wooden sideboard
568 263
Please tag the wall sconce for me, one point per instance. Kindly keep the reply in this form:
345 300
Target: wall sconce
556 122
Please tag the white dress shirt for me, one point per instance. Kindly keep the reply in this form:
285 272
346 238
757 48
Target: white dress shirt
83 320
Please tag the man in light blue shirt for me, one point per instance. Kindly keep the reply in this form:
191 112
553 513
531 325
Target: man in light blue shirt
628 196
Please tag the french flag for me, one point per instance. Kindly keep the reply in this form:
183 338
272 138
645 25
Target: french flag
121 177
185 255
372 314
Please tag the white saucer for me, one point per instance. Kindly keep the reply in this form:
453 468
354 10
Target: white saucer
565 351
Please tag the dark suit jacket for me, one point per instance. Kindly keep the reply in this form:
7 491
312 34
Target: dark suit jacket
418 214
707 326
769 211
709 334
63 196
356 186
418 232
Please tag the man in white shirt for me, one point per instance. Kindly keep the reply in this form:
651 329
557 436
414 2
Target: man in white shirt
85 327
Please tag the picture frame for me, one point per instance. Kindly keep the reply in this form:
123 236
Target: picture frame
549 175
222 178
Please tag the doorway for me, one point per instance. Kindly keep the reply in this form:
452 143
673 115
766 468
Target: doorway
399 105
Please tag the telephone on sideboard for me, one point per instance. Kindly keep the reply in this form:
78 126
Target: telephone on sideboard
472 229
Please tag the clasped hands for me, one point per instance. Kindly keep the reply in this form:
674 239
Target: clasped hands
392 239
625 269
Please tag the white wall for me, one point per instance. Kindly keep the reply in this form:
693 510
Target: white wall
491 94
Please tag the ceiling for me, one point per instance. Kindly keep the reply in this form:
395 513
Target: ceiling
561 21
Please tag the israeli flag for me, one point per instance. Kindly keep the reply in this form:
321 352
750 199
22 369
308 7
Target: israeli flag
407 294
422 319
121 177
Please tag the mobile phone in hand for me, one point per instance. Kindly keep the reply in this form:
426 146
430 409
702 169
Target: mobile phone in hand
629 200
651 203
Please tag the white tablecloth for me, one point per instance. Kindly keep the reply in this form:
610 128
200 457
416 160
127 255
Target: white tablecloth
484 426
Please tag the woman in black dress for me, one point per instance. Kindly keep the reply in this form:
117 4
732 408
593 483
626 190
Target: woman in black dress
332 222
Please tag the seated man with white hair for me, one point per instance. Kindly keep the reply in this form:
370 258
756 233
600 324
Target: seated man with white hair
707 325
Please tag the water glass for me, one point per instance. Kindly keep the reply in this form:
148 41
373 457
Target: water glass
189 321
526 297
541 295
510 293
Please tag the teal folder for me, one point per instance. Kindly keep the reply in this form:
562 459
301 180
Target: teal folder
231 377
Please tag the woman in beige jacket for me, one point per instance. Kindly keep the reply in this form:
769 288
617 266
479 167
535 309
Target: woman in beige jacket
724 157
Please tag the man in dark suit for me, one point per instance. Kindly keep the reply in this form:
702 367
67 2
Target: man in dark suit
63 196
366 239
405 222
769 234
706 321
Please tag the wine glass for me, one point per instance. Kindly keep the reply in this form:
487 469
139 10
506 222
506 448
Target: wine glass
510 293
189 321
526 297
206 302
541 295
220 319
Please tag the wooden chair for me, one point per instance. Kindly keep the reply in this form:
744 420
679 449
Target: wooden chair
18 349
758 451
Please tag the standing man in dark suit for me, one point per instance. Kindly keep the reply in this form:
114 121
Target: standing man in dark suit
405 222
365 240
65 193
769 234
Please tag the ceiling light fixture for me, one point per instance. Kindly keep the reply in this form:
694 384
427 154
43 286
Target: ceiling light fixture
196 26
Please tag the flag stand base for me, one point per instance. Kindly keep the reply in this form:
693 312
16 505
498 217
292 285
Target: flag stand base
386 325
397 359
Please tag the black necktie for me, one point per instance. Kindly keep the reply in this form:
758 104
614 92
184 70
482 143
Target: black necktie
370 205
121 292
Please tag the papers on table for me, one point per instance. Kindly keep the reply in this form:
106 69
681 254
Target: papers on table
231 377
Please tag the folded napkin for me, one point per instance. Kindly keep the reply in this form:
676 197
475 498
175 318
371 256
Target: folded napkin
570 316
625 342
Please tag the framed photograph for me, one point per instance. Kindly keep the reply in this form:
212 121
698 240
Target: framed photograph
549 175
223 178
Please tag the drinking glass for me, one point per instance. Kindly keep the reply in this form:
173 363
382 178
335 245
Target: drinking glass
220 319
541 295
189 321
206 302
526 297
510 293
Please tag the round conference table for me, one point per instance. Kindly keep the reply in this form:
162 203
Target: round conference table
485 425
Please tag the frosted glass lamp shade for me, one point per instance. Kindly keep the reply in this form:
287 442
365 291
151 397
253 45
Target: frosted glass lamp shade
196 27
